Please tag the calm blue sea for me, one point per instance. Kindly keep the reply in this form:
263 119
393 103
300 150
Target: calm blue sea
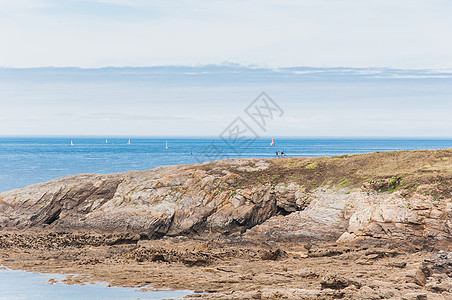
25 161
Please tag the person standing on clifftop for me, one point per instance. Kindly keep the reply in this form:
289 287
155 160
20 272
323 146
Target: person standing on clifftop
282 153
277 153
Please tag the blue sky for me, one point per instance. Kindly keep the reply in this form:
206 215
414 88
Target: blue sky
337 67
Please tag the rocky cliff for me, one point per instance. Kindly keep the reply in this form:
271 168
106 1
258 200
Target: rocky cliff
396 195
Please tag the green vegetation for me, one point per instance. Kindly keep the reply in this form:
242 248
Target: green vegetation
386 185
312 166
344 182
394 184
262 180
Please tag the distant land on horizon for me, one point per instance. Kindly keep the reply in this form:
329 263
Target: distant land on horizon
234 71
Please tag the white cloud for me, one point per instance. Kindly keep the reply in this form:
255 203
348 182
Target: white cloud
407 34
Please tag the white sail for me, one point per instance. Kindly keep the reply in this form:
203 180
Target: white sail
106 141
72 144
166 145
129 143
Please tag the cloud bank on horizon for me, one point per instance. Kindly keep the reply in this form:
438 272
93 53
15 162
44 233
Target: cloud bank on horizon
276 33
202 101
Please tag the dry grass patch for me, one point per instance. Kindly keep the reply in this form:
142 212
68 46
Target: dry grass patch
400 169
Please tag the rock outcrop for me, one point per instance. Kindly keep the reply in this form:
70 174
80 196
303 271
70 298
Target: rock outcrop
176 200
397 195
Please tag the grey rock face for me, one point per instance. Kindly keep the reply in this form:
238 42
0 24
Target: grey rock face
173 200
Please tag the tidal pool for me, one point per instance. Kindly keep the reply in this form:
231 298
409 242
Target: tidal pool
16 284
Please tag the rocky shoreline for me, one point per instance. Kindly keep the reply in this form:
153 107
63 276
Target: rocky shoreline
372 226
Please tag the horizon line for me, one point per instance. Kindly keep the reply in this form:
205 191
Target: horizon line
217 137
237 65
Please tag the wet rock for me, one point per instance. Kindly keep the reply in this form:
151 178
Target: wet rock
273 254
123 239
336 282
52 281
199 262
400 265
440 262
325 253
193 296
158 258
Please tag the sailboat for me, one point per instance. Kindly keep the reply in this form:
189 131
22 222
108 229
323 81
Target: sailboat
166 145
272 143
72 144
129 143
106 141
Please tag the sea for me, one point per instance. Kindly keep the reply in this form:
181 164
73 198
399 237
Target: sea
29 160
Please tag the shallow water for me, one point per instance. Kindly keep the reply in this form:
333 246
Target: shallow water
26 285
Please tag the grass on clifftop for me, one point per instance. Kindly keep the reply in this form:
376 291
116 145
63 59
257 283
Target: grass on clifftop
386 171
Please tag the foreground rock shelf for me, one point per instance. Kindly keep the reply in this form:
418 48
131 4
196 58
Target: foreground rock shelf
369 225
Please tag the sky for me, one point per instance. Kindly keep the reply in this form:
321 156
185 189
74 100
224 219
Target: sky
336 67
274 33
203 101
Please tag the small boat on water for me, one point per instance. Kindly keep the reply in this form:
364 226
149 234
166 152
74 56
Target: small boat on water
272 143
106 141
166 145
129 143
72 144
